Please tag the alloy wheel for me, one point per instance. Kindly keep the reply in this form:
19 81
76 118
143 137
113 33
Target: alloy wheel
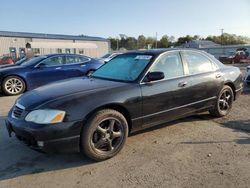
225 101
108 136
14 86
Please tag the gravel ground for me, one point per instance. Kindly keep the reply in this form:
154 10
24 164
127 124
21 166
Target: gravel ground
198 151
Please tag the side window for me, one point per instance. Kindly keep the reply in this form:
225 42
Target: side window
53 61
84 59
75 59
170 64
197 63
72 59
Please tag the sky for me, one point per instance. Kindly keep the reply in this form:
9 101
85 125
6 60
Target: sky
109 18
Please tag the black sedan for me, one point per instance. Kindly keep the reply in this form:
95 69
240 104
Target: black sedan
134 91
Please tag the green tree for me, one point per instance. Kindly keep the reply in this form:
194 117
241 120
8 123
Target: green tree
150 42
164 42
113 43
141 42
229 39
183 40
131 43
196 37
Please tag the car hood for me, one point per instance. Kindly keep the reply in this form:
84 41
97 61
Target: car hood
6 65
66 88
10 67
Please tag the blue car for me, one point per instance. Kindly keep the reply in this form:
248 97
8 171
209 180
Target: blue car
44 69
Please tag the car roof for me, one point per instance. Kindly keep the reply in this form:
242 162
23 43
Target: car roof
50 55
61 54
159 51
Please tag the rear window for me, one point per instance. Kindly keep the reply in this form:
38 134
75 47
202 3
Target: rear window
197 63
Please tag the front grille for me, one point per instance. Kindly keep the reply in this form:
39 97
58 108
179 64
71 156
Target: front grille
17 112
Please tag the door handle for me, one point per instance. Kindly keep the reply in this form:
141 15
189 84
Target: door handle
57 68
182 84
218 75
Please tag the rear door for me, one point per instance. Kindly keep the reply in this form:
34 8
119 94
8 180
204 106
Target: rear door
206 78
76 66
169 98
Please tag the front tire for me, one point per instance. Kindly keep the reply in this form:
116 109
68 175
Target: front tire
13 85
224 102
104 135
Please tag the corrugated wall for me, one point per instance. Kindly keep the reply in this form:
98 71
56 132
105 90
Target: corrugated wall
7 42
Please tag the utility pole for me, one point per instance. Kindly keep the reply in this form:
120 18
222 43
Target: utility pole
221 38
156 40
117 44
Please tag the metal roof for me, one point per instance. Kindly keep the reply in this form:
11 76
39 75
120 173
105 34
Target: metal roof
49 36
199 44
158 51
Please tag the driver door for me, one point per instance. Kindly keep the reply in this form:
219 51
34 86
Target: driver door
166 99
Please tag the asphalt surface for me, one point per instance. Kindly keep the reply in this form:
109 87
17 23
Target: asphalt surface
198 151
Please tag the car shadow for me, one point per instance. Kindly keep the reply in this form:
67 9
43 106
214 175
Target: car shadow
237 126
194 117
16 159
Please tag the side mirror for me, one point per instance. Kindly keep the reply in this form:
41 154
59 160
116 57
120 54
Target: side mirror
154 76
40 66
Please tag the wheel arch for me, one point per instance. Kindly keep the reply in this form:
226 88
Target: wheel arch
26 84
91 69
114 106
230 84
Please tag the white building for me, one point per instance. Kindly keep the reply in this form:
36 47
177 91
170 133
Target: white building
16 44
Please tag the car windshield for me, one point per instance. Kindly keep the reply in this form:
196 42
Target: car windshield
106 56
126 67
33 61
19 62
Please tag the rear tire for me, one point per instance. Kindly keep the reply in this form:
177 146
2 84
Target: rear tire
104 135
13 85
224 102
90 72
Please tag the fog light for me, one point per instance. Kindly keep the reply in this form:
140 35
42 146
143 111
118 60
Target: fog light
40 143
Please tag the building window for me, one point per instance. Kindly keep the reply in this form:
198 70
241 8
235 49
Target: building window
36 51
67 51
59 50
81 51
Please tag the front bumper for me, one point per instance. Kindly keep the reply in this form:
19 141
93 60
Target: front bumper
58 137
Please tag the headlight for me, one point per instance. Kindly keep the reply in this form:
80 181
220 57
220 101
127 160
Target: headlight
45 116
